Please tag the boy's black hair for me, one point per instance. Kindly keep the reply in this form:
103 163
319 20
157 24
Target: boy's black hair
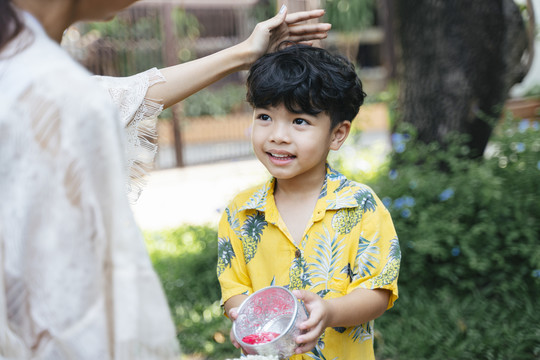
306 80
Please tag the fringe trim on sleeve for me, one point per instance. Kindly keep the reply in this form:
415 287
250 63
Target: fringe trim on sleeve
138 116
141 133
142 147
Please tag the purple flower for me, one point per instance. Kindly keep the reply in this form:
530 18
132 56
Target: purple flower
520 147
404 201
399 141
523 125
456 251
406 213
409 201
393 174
446 194
399 203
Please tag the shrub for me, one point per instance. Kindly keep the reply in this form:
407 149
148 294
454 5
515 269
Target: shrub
228 99
185 260
469 233
433 323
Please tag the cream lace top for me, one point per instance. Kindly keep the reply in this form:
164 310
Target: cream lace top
76 281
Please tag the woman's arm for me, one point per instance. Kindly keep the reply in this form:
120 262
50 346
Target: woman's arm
186 79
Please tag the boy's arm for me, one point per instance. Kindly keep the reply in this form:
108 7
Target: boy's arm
358 307
234 303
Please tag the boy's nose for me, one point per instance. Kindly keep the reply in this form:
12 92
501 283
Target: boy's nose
279 133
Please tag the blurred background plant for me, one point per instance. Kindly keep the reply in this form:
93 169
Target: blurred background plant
350 15
185 260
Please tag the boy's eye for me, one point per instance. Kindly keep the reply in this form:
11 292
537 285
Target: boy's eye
299 121
264 117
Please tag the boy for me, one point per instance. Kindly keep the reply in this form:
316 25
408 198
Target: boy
310 229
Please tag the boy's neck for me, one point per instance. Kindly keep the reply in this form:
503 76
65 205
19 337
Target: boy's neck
296 201
304 186
298 189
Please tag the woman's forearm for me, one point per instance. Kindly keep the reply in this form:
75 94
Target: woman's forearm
185 79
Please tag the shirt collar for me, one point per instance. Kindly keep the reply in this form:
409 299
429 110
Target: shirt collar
335 193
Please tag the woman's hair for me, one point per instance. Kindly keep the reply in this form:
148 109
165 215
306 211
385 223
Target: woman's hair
10 24
308 80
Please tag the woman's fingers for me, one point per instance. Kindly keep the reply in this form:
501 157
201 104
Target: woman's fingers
307 39
305 29
303 16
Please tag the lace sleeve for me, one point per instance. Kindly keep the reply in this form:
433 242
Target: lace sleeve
138 115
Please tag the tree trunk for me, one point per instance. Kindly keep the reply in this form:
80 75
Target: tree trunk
459 60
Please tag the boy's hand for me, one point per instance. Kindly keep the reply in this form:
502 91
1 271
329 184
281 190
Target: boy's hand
317 322
233 314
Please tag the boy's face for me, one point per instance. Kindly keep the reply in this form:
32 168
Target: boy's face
294 146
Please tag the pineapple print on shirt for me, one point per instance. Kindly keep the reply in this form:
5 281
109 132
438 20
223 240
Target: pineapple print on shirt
252 230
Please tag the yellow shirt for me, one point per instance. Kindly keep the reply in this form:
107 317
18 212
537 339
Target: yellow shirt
349 243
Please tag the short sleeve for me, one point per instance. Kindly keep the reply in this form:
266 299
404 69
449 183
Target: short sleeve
378 257
138 116
231 267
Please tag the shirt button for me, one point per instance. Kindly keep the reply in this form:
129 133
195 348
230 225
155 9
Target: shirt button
297 253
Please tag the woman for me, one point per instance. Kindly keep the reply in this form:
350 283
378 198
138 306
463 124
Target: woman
75 279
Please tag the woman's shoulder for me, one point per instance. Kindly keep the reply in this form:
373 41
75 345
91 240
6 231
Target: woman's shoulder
43 67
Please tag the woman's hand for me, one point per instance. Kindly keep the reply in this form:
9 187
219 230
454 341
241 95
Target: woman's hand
269 34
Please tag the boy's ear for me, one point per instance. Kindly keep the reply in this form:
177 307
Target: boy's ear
339 134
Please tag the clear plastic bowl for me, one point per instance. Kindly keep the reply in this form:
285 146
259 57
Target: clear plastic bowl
273 309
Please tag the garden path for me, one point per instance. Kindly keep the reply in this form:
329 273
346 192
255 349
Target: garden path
193 194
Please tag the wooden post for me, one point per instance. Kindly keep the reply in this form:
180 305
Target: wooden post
301 5
386 15
170 57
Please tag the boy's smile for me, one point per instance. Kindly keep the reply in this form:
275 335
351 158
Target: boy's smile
294 146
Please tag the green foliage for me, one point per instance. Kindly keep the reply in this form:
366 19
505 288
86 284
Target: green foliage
136 42
432 323
187 25
185 260
533 91
128 28
215 102
264 9
469 232
350 15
